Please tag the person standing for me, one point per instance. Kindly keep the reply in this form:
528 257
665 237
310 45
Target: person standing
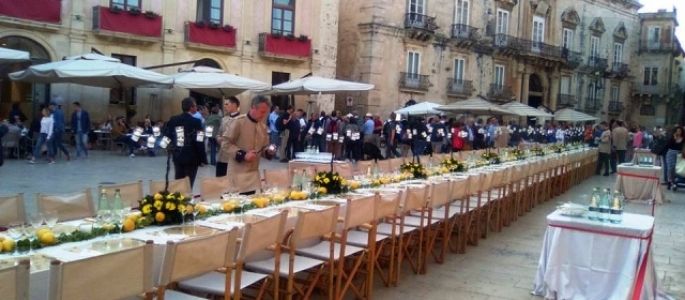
293 135
674 146
619 139
45 134
247 140
333 127
390 134
604 150
231 112
214 121
185 149
274 134
58 130
80 124
437 134
284 133
367 128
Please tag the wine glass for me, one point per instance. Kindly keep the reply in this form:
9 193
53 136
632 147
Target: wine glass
36 220
17 232
51 218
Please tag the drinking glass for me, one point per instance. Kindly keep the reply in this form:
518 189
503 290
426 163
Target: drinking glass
17 232
51 218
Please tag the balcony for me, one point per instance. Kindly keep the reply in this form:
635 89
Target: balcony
596 63
48 11
199 34
566 100
459 87
649 90
500 93
419 21
657 46
540 50
116 23
506 44
619 70
288 48
592 105
463 35
615 107
571 59
414 82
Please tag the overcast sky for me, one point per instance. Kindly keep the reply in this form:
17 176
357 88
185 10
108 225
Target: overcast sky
654 5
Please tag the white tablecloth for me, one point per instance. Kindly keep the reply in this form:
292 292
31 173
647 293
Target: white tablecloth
584 259
639 182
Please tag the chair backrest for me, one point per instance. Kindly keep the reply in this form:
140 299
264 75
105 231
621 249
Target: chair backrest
192 257
14 281
12 209
278 177
262 234
395 163
385 166
68 207
131 192
177 185
345 170
360 211
416 198
314 224
117 275
497 178
11 138
363 166
211 188
459 189
388 204
441 193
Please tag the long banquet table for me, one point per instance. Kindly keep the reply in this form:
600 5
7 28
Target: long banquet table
160 235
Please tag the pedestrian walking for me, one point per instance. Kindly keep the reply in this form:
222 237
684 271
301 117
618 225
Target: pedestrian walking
186 150
80 124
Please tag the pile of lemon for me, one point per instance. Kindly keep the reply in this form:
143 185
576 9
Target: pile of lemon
46 237
6 244
260 201
298 195
229 206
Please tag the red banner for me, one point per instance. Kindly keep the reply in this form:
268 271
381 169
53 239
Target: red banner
37 10
211 36
123 21
288 47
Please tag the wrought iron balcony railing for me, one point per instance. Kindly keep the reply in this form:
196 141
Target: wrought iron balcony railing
592 105
419 21
459 87
463 32
566 100
597 63
500 93
615 107
414 81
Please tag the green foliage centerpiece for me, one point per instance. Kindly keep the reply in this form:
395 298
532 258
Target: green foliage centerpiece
164 208
330 183
453 165
416 169
491 157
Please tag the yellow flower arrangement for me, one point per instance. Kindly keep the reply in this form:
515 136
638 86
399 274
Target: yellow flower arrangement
330 182
163 208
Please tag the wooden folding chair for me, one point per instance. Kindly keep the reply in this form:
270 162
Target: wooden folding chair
193 257
14 281
395 163
131 192
414 227
278 178
12 210
69 207
386 166
91 278
363 167
211 188
442 215
177 185
260 239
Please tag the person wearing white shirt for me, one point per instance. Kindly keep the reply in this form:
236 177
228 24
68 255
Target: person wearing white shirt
46 127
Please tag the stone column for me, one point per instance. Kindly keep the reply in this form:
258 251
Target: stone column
526 82
554 91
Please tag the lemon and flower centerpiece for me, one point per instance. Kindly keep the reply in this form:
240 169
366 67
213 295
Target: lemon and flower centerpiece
491 157
452 165
416 169
164 208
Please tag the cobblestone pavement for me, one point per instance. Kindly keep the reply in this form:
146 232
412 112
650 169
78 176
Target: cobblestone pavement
501 267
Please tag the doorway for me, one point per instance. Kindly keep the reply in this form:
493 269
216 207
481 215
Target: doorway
203 99
535 95
282 101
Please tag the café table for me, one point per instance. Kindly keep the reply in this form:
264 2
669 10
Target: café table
587 259
639 182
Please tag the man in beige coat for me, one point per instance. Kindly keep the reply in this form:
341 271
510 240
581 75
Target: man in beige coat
231 112
247 141
619 139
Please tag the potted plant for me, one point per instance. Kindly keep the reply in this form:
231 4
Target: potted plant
200 24
150 14
290 37
214 25
134 11
228 28
276 35
115 9
303 38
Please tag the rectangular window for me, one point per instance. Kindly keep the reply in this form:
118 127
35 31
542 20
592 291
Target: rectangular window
614 93
618 53
565 85
126 95
210 11
459 67
125 4
538 33
413 62
283 17
650 76
594 46
567 39
654 37
461 15
591 92
499 76
417 7
502 21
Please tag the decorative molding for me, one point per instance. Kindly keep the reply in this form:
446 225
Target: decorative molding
540 7
507 4
620 34
597 26
570 18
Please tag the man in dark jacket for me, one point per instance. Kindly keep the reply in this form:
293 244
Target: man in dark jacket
80 124
186 150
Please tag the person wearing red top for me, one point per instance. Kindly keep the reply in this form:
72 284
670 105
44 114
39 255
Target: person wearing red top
457 140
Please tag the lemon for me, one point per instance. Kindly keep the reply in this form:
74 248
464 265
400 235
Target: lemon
260 202
159 217
128 225
322 190
228 206
47 238
7 245
158 196
202 209
42 231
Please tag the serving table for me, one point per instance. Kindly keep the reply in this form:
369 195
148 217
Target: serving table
639 182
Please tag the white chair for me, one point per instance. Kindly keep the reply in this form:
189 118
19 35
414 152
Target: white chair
11 140
194 257
131 192
14 281
12 210
178 185
117 275
68 207
211 188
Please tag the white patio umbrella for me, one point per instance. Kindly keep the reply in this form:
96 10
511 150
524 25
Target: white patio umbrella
11 55
93 70
215 83
317 85
419 109
474 106
570 115
524 110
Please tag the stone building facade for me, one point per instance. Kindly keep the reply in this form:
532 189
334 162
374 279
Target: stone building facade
267 40
658 91
551 53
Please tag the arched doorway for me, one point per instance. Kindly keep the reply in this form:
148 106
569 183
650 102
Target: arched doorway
201 98
535 94
29 96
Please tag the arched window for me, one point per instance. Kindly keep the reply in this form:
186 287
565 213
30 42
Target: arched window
14 91
283 17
